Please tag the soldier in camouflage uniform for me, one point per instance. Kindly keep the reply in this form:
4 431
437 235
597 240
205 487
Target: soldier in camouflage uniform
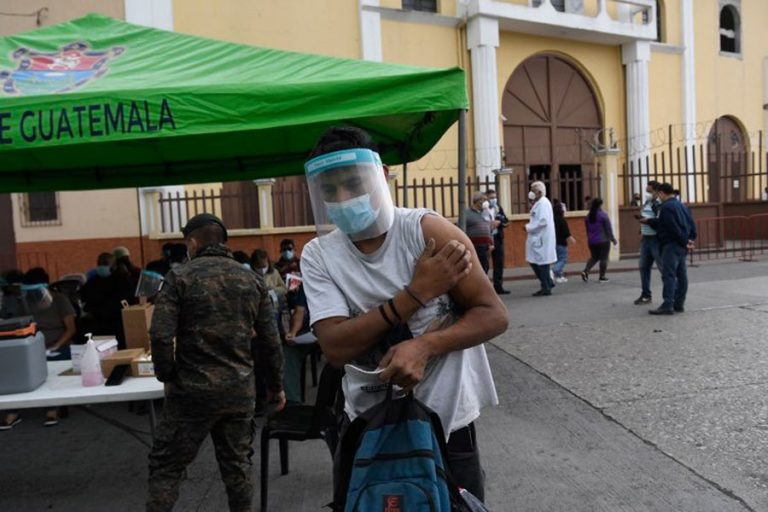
221 318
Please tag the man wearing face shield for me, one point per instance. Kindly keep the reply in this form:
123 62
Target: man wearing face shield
399 293
540 245
55 318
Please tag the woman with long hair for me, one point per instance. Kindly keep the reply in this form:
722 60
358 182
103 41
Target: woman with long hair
562 238
599 238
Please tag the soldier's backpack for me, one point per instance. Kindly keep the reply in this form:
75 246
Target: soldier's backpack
392 459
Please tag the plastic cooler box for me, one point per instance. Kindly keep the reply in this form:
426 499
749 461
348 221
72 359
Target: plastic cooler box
23 365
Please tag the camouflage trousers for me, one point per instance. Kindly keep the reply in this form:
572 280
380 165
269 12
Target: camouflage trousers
178 437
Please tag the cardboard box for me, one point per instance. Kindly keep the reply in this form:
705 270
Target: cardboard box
105 345
137 320
118 358
142 366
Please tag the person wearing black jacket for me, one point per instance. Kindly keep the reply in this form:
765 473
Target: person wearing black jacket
562 238
500 222
676 233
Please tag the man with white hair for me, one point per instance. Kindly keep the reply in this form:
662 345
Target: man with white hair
479 228
540 245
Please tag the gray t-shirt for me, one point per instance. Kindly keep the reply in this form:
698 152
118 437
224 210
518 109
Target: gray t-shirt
340 281
50 321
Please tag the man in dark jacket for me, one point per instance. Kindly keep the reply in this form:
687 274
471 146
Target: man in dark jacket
500 222
220 316
676 233
102 296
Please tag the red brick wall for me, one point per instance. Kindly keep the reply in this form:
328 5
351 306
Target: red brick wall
69 256
515 236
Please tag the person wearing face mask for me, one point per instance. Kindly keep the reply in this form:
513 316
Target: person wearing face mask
55 318
261 264
101 300
162 265
479 225
649 245
213 330
540 250
676 233
498 224
289 262
399 291
281 302
242 258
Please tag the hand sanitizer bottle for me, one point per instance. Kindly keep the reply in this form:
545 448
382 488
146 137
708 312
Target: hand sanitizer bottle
90 365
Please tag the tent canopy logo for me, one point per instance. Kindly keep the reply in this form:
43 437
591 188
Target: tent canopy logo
71 67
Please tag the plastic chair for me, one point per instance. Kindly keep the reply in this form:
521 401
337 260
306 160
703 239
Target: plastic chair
299 423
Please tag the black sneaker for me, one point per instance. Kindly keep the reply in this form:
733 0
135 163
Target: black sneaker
603 280
642 301
584 277
502 291
661 311
679 309
542 293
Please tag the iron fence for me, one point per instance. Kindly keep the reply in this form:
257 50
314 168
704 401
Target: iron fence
736 236
176 208
442 195
703 173
292 206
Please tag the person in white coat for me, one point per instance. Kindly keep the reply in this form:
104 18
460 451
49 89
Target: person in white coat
540 245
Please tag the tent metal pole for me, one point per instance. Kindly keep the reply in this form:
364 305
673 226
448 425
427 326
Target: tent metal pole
462 169
141 228
404 158
405 184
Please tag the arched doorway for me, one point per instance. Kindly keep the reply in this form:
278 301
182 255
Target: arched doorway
727 161
551 113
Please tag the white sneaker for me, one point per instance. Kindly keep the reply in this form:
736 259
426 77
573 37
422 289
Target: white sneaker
561 280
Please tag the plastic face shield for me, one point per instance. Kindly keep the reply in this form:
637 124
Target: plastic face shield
349 191
149 284
36 296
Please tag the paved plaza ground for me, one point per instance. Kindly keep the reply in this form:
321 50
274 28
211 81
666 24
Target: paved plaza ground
603 408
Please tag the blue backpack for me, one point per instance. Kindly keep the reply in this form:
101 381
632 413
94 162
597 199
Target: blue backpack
392 459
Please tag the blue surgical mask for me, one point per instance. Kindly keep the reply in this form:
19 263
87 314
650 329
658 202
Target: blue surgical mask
287 254
352 216
103 270
493 202
247 265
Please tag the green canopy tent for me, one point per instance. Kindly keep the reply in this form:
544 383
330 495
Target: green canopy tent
98 103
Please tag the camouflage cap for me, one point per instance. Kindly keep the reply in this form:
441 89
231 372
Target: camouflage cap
201 220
